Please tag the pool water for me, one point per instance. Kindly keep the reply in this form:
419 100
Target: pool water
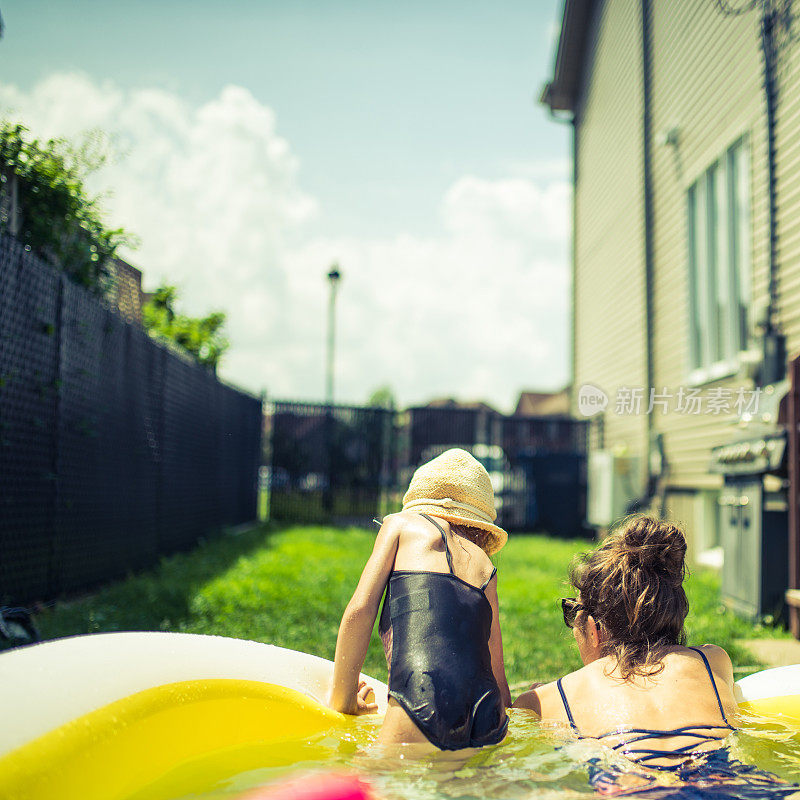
536 759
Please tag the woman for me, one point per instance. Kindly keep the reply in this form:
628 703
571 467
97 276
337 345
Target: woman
641 690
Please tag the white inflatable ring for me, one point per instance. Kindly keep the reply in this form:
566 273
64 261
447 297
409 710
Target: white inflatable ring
772 692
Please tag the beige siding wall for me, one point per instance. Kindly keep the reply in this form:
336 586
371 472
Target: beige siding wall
706 72
707 83
788 196
609 220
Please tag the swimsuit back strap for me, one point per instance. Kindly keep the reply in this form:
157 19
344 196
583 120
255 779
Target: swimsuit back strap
642 734
566 706
444 540
713 683
489 579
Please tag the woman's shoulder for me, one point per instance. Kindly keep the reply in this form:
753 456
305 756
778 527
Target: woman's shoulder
714 654
545 700
530 700
712 651
718 659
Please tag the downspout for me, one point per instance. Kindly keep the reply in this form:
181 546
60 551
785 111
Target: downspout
773 366
656 463
773 363
573 257
647 186
793 458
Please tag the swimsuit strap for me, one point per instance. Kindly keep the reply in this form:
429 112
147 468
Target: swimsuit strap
488 580
444 539
566 707
641 734
647 753
713 684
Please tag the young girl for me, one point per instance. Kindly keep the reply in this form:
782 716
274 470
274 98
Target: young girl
440 622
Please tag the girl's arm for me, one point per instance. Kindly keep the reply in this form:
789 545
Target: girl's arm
496 643
347 695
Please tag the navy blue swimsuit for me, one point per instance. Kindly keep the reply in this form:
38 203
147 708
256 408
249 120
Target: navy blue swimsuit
441 668
634 735
708 774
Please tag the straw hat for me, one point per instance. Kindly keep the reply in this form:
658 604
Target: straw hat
456 486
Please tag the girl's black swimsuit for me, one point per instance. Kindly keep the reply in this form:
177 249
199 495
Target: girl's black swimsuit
441 669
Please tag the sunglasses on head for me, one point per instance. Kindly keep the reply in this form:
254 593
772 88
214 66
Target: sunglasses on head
570 608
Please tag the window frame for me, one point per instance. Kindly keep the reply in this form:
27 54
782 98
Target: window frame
719 250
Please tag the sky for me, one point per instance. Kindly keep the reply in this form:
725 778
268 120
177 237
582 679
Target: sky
254 144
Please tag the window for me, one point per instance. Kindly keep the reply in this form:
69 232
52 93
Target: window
719 263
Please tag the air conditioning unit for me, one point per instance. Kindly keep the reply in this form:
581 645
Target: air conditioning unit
614 481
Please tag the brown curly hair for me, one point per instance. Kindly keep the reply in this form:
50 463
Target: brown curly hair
633 587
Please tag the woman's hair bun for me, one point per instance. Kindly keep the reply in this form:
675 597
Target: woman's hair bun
632 585
652 544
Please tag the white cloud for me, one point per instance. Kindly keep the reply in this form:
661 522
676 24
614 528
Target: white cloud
477 312
555 169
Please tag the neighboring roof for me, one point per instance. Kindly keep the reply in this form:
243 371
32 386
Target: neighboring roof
561 92
542 404
126 289
450 402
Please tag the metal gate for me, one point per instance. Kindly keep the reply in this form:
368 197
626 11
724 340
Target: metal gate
350 464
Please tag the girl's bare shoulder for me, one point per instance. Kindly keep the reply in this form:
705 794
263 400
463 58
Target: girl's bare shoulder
410 525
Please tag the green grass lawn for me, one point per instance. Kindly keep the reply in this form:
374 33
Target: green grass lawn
289 585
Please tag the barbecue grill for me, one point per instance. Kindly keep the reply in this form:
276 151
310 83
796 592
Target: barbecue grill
753 507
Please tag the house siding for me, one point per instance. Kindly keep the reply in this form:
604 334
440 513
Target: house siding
609 288
706 81
787 172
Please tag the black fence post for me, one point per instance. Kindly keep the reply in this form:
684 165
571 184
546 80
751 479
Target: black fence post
328 485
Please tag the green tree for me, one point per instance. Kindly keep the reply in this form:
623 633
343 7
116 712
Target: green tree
382 397
202 337
57 217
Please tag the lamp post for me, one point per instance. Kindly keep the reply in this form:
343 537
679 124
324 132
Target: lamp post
334 276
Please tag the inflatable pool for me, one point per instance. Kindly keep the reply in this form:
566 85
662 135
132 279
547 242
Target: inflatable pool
772 693
156 716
